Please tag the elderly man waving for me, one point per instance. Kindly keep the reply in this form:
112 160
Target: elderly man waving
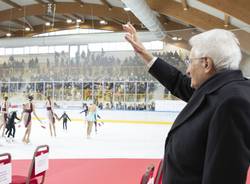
209 142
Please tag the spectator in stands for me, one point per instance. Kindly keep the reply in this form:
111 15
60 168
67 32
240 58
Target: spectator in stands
209 140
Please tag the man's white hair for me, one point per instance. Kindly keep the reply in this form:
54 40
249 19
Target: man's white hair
220 45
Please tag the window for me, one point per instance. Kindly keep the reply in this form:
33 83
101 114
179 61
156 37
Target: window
8 51
2 51
34 50
43 50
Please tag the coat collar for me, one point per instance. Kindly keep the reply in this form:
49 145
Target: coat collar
212 84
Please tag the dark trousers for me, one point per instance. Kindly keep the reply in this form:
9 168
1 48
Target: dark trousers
65 125
9 131
95 126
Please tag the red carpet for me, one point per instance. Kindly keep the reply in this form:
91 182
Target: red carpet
90 171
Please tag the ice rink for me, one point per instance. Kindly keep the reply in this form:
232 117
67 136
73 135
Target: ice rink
141 138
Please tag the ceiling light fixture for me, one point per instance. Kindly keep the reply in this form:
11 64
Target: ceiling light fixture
174 38
27 29
69 21
103 22
47 24
127 9
8 34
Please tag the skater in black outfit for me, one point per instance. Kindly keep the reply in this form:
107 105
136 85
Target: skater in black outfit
65 120
11 129
85 109
95 122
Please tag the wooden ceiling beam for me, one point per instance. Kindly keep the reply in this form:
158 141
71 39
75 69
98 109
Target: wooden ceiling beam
43 18
21 23
4 29
67 16
77 16
13 4
56 18
41 2
194 17
106 3
226 20
239 9
117 21
184 5
88 24
80 2
68 8
198 18
52 1
170 25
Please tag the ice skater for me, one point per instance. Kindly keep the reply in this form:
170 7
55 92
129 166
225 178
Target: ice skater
28 109
11 129
85 110
4 112
97 123
65 119
91 118
51 116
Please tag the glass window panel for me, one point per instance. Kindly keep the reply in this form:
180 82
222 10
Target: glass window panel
77 91
87 91
49 89
51 49
18 51
108 94
67 91
58 91
98 92
8 51
43 49
26 50
141 95
73 51
2 51
34 50
62 48
130 92
119 96
39 90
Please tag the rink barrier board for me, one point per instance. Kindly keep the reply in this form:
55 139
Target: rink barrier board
119 121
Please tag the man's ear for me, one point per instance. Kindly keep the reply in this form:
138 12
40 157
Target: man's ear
208 64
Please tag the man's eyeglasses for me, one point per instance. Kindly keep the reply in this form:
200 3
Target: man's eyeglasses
188 61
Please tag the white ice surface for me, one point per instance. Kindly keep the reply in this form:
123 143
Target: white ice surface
113 140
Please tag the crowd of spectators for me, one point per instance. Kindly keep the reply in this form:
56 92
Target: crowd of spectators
123 80
93 66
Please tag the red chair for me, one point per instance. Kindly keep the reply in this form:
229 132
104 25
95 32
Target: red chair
248 176
5 159
149 174
159 173
33 176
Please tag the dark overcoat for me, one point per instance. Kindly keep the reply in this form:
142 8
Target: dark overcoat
209 142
